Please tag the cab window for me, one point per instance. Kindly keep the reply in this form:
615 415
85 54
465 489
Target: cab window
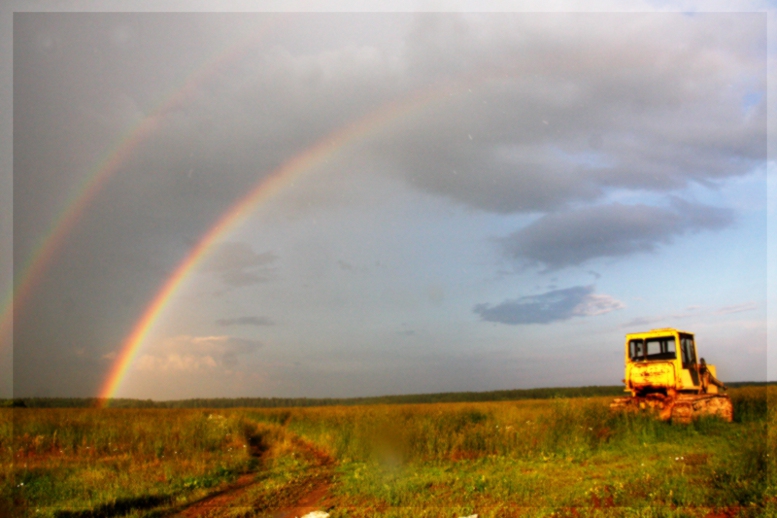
637 350
661 348
688 352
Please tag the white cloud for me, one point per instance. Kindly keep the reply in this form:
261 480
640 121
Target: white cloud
197 353
597 304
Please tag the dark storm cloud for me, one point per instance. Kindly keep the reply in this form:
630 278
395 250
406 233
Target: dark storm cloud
523 113
245 321
539 111
570 238
552 306
238 265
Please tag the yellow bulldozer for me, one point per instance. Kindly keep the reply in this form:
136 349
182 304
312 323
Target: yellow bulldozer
662 375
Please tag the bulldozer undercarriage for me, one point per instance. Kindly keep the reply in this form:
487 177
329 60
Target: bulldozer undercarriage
682 408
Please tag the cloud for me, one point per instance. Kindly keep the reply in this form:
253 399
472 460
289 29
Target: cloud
526 112
691 311
245 321
572 237
739 308
198 353
541 111
552 306
502 113
597 304
345 265
237 265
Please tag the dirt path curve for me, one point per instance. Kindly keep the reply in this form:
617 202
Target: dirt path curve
314 500
309 495
315 496
219 500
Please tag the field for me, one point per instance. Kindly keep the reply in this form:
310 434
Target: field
552 457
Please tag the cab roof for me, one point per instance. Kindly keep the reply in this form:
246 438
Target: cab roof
663 330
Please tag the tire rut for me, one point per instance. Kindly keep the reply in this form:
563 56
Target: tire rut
307 496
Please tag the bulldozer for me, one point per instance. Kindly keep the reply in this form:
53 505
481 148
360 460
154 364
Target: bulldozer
663 376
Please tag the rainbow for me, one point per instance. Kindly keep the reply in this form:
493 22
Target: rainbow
51 241
239 212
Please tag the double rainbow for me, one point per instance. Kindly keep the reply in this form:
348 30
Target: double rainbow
51 241
240 211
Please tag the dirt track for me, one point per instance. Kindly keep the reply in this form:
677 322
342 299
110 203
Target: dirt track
309 495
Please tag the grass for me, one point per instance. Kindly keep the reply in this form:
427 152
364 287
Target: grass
558 457
69 460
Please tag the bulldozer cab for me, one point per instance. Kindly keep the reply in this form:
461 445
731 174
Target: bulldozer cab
661 361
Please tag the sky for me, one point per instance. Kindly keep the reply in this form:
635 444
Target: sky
337 204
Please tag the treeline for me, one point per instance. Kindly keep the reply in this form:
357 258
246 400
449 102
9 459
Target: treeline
274 402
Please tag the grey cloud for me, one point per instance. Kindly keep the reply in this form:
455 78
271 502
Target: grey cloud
690 311
345 265
238 265
197 353
552 306
237 256
739 308
208 344
514 118
245 321
240 278
660 320
502 113
570 238
640 322
536 112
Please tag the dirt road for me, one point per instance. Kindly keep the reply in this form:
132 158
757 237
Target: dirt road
247 496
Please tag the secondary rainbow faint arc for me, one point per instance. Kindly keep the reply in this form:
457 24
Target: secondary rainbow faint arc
265 189
50 242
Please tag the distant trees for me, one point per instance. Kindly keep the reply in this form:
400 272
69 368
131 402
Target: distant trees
274 402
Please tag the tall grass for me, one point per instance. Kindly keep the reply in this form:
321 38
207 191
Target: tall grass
144 433
57 460
543 453
85 458
6 460
438 432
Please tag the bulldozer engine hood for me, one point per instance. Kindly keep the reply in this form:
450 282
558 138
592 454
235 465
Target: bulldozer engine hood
656 374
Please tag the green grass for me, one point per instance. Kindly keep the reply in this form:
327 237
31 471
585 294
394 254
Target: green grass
71 460
557 457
